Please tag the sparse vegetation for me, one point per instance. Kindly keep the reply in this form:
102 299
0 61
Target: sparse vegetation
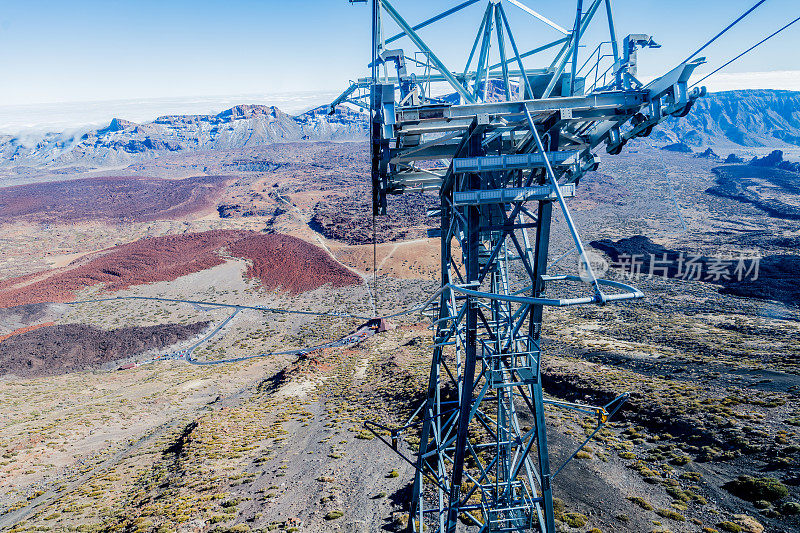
693 360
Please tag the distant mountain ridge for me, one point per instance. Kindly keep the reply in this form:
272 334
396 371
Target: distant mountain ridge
747 118
241 126
730 119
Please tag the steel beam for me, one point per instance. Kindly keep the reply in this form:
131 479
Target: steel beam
433 19
538 16
561 60
512 194
494 163
443 70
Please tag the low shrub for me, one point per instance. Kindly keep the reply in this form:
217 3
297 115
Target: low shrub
333 515
575 519
790 508
755 489
730 527
671 514
641 502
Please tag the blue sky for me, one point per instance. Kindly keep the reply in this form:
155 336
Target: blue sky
81 50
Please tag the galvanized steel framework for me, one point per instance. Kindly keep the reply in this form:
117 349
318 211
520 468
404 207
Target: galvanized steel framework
507 145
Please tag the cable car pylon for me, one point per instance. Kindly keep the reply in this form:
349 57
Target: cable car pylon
506 146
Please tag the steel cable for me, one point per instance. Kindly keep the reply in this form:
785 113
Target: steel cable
759 43
729 26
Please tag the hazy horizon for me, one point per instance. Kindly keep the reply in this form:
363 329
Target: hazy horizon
63 117
58 117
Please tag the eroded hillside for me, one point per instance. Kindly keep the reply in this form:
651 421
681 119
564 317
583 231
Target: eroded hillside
277 442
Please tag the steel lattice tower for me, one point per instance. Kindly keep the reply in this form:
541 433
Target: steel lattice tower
507 145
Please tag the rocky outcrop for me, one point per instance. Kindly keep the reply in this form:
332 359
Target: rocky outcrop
775 160
348 218
677 147
776 278
118 124
708 153
768 188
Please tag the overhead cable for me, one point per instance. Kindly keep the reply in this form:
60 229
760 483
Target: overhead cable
762 41
729 26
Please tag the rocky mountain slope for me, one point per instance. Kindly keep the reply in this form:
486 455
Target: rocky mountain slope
738 118
122 142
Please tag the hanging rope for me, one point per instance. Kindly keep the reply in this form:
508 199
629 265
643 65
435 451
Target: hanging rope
374 262
729 26
759 43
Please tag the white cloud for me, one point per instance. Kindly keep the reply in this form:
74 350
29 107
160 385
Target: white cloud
778 79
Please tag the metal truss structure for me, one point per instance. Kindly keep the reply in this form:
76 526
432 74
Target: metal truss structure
504 149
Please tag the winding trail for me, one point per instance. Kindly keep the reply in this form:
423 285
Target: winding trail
12 518
394 249
363 275
349 340
187 354
216 304
304 219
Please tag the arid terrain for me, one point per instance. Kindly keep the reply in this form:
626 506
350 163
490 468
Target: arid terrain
122 199
248 257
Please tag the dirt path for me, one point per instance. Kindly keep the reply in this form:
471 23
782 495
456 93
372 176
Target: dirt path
364 277
394 249
304 218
